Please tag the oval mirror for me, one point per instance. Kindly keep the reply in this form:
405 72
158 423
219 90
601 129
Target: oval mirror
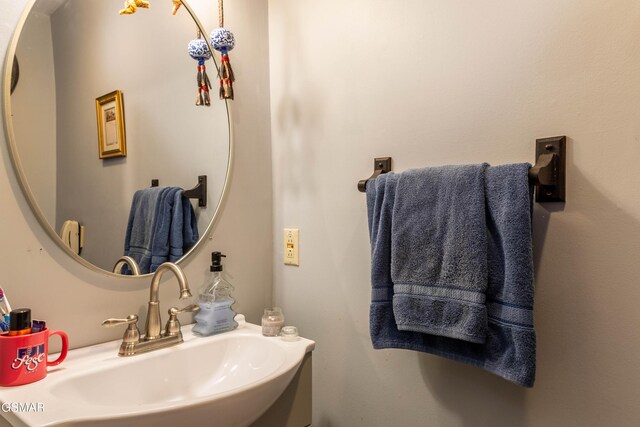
74 56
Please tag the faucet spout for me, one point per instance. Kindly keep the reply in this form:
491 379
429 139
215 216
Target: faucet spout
153 325
182 281
133 265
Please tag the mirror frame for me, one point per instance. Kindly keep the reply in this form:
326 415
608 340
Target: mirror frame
22 178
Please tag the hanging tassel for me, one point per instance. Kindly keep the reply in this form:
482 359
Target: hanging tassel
205 85
206 77
223 41
199 51
226 78
199 83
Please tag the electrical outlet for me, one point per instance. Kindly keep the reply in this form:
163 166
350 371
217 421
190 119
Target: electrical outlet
291 243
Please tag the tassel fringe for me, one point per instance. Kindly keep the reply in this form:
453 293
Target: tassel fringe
204 85
226 78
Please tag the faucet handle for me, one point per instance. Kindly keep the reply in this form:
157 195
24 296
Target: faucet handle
131 335
131 319
188 309
173 325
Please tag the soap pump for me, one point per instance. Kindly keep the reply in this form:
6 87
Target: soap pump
215 301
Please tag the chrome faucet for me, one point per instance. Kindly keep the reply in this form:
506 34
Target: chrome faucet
133 265
154 338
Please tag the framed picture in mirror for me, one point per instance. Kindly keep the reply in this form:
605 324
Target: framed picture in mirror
111 130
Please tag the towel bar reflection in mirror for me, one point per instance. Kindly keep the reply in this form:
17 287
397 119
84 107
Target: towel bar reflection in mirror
198 192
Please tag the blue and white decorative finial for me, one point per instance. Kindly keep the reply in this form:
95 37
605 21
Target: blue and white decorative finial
222 40
198 49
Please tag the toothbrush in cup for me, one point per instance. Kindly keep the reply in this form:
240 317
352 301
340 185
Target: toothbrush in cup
5 307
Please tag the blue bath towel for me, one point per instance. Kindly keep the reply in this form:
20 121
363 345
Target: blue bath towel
176 229
190 234
439 252
511 344
380 199
139 234
160 248
509 349
162 227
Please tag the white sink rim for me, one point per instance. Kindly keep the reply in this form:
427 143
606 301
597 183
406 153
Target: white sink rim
104 356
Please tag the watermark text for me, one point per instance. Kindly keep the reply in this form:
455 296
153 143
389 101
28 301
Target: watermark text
22 407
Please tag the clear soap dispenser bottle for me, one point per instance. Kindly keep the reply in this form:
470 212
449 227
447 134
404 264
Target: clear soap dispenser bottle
215 301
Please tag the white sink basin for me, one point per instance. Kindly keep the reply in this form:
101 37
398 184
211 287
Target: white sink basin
224 380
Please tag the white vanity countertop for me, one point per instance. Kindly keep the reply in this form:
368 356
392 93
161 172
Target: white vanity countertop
85 387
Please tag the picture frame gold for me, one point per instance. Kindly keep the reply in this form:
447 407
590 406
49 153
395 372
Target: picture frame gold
111 128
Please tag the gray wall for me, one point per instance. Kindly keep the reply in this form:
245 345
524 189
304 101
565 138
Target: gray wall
450 82
38 274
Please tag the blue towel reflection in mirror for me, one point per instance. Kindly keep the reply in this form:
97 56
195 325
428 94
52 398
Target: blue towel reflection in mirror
72 235
162 227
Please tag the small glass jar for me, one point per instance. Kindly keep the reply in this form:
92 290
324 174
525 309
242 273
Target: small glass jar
289 333
272 322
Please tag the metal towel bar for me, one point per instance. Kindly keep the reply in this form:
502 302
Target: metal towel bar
548 174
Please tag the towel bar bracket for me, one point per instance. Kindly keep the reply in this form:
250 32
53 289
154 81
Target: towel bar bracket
198 192
380 165
549 172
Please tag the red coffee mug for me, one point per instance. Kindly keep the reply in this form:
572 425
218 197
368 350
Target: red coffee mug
23 358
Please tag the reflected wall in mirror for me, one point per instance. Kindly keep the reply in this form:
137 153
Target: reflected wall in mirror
72 52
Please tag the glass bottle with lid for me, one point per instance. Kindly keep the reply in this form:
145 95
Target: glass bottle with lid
272 321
